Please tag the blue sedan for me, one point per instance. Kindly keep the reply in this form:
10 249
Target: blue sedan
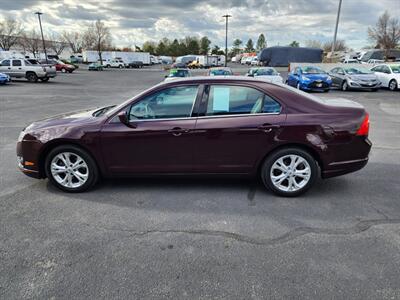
310 78
4 78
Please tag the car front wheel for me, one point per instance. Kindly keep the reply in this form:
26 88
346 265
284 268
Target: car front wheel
289 172
71 169
345 86
392 85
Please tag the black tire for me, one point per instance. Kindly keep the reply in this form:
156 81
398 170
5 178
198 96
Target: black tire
273 157
32 77
44 79
326 91
93 173
374 90
393 85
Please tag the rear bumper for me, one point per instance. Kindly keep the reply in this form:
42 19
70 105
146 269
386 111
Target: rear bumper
344 167
348 157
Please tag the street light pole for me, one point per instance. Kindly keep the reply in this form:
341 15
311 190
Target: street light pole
336 28
226 37
41 31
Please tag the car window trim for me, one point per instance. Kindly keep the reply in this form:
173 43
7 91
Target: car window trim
200 89
207 94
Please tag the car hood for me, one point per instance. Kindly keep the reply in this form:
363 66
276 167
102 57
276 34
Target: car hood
316 76
363 77
81 117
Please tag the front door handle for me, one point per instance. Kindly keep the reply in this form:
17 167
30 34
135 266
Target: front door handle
177 131
268 127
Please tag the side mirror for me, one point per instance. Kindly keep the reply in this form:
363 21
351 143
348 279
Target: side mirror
123 118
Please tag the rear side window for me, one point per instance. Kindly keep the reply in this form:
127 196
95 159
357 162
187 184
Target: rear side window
232 100
16 63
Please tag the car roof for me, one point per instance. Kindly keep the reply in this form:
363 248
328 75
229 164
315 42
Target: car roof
220 68
225 79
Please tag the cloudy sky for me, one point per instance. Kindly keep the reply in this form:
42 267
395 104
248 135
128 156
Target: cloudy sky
135 21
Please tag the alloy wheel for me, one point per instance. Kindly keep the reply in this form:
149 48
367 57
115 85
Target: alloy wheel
344 86
290 173
392 85
69 170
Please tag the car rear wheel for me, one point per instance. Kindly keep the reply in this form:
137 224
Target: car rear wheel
31 77
63 70
392 85
289 172
71 169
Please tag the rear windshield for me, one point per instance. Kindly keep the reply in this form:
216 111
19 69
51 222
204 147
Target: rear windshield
396 69
220 72
268 71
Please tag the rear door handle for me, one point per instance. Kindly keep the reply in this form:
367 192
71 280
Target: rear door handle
268 127
177 131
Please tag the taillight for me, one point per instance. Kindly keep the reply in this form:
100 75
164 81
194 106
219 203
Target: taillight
364 127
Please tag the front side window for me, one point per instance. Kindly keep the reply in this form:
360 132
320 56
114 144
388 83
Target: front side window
175 102
5 63
232 100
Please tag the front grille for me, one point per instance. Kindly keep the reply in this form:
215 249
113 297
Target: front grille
318 85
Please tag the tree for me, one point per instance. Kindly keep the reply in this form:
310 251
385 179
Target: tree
31 42
217 50
10 32
56 43
161 48
174 48
314 44
261 42
236 49
294 44
339 46
149 46
98 37
192 45
249 46
204 45
74 40
386 33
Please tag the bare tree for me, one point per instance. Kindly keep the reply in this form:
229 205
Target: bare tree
98 37
55 43
74 40
386 33
340 45
10 31
314 44
31 42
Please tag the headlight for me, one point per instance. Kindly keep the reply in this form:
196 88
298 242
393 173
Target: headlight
305 78
329 78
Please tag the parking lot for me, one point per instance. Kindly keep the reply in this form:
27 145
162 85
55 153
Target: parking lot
191 238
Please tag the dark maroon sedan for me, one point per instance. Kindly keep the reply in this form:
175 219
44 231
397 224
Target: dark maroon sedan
202 126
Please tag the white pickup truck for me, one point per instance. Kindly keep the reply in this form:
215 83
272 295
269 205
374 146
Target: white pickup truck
21 68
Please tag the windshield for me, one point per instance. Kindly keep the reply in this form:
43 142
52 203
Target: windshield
396 69
313 70
266 71
178 73
357 71
220 72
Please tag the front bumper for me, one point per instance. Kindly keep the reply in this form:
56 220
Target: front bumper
363 85
316 85
28 158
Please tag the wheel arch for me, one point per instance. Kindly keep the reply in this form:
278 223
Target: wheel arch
61 142
303 147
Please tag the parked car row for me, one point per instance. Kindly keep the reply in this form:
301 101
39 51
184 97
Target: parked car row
312 78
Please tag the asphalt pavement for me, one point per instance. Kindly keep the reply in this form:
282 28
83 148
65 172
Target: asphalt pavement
194 238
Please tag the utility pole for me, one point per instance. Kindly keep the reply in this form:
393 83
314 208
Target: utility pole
336 28
226 37
41 31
